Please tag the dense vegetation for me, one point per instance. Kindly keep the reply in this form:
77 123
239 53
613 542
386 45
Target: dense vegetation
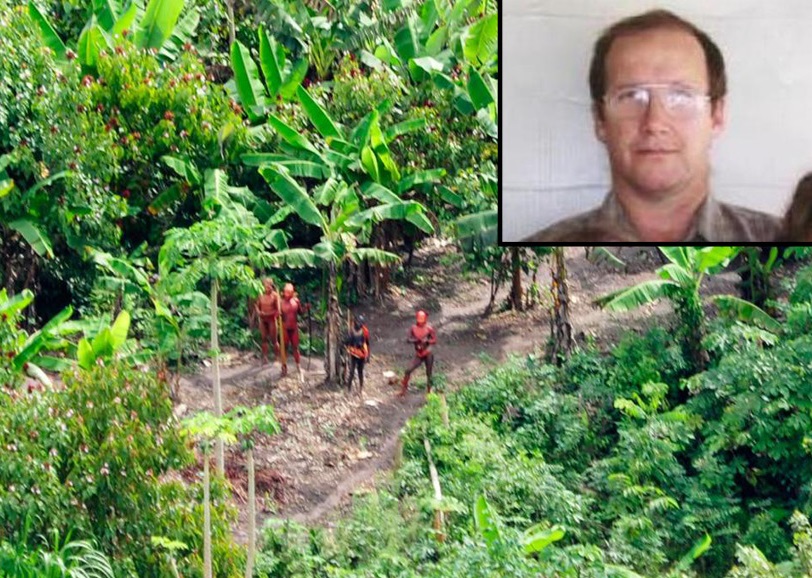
602 449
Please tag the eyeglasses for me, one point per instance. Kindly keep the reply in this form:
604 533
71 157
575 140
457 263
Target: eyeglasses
678 102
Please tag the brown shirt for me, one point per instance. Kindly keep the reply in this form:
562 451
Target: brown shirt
715 222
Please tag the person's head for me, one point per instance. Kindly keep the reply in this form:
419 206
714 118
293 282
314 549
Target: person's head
287 290
360 321
268 284
658 87
421 317
798 219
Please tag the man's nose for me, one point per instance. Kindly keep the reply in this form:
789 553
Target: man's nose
656 116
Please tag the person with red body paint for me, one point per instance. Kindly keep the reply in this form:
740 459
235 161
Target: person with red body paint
267 308
423 336
290 307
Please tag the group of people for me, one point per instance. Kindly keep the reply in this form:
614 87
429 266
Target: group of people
421 335
279 323
279 326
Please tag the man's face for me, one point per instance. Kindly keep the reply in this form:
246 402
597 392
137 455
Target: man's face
657 154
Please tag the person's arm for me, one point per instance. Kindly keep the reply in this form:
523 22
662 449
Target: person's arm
412 338
366 341
431 338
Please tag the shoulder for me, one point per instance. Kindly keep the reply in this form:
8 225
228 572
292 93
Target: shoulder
581 227
740 224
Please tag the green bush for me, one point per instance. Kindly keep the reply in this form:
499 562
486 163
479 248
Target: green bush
97 458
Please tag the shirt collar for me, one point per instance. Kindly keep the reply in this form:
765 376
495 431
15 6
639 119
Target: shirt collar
611 211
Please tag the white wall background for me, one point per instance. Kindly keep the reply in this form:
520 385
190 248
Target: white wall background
552 165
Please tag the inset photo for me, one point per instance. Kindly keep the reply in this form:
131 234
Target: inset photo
670 122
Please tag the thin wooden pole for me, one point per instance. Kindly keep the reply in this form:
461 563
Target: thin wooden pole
438 494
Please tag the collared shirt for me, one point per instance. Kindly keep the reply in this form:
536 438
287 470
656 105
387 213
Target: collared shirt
715 222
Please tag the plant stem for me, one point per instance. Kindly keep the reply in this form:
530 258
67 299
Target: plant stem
215 351
252 514
207 569
438 493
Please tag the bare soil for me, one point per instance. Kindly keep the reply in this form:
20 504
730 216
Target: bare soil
333 443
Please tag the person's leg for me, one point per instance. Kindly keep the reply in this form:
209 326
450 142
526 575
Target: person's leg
263 335
361 363
429 368
272 334
404 385
352 361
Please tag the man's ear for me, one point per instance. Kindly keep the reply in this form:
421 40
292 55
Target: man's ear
718 116
599 122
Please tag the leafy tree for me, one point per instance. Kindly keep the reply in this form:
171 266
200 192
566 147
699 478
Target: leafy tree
680 281
218 249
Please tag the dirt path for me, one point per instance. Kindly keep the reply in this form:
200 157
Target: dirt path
333 444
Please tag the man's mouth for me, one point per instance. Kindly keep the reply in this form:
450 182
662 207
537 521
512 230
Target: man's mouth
656 151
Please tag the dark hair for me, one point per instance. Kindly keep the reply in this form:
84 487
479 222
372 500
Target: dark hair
798 218
653 20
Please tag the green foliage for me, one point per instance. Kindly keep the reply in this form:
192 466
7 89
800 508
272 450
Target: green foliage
55 558
93 459
290 550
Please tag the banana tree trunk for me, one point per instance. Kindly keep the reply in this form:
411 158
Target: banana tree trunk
252 515
231 25
560 325
332 332
215 353
516 285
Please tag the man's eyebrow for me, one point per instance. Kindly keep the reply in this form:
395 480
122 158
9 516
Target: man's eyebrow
675 84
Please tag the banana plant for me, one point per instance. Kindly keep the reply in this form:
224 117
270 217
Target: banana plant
157 27
533 540
680 281
455 45
28 354
360 185
105 344
225 247
279 81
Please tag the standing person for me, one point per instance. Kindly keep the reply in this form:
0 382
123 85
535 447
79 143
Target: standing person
290 308
267 308
798 220
658 88
357 344
423 336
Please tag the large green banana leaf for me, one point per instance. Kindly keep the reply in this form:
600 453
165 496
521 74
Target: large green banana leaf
34 236
159 20
376 256
318 116
269 63
246 78
293 194
632 297
482 41
49 35
746 312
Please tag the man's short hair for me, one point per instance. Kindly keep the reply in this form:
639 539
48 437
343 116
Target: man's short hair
653 20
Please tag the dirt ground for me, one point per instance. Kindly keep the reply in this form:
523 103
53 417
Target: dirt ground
332 444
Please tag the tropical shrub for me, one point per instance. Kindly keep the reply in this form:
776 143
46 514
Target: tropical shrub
95 459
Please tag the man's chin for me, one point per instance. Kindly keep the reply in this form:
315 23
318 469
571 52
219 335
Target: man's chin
660 185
